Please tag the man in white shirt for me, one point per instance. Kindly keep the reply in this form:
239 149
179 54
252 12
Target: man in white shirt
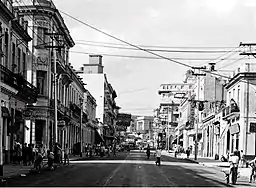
158 156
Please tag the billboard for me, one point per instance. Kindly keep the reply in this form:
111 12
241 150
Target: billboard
123 120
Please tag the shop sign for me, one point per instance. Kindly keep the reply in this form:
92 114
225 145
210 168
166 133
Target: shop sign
234 129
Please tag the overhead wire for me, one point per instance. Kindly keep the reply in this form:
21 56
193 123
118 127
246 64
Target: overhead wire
142 49
142 57
156 46
155 50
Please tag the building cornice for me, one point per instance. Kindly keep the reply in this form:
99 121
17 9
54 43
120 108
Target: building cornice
240 76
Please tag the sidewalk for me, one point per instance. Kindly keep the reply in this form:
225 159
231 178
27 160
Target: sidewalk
17 170
209 162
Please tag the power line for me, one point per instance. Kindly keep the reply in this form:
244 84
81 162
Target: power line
146 57
156 46
142 49
154 50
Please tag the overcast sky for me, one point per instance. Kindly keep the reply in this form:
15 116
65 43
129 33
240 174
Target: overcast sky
174 23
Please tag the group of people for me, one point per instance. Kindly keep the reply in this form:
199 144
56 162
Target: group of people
158 153
237 159
23 155
100 150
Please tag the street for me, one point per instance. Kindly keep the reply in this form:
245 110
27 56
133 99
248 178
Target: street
127 170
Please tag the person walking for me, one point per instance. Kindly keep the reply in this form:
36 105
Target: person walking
158 156
148 152
252 165
188 152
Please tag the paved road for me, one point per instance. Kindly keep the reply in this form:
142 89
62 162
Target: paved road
128 169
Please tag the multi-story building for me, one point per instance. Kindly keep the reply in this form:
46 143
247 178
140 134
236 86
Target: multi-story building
170 98
90 136
97 83
50 67
144 127
16 90
239 113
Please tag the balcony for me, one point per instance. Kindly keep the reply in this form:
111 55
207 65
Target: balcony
67 75
26 91
75 108
230 111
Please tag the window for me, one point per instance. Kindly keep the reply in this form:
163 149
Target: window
6 44
229 95
41 37
24 57
1 45
13 57
234 93
19 60
41 82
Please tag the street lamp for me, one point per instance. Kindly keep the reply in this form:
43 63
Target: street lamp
81 126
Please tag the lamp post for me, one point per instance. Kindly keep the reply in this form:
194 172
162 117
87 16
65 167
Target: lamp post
81 126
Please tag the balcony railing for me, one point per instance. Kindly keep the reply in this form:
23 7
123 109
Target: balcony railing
25 89
229 110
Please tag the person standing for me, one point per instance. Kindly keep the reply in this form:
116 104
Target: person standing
188 152
66 154
158 156
242 161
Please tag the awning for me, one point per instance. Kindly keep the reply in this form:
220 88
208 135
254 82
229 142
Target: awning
98 137
5 112
234 129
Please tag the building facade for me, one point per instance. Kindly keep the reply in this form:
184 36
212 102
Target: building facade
54 77
97 83
16 90
239 113
171 96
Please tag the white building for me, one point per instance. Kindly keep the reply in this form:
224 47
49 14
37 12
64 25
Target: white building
240 111
104 94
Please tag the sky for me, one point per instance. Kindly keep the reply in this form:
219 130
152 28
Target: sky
172 23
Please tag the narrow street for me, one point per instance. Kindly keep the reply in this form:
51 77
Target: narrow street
127 169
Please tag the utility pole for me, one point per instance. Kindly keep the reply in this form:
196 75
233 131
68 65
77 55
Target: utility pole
1 128
81 127
250 53
167 134
54 47
198 100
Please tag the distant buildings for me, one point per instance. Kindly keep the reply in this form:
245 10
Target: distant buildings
218 112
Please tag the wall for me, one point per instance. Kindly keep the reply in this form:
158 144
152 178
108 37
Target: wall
95 84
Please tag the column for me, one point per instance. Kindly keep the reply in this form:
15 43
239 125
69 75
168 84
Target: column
33 129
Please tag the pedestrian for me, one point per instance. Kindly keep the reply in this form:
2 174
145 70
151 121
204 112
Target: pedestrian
24 154
19 154
252 166
66 154
188 152
158 156
148 152
242 161
50 159
38 160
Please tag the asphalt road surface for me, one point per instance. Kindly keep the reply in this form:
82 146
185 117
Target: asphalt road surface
126 170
